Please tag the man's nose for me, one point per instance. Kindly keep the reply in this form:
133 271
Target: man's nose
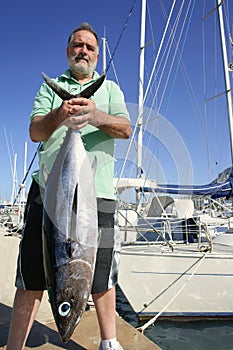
83 49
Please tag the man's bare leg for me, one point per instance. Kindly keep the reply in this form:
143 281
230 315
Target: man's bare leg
105 304
25 307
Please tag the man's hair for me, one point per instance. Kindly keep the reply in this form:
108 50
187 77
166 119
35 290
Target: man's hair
84 26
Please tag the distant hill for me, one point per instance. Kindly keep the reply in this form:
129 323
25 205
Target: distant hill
224 175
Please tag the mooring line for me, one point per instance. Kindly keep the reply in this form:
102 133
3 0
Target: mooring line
153 319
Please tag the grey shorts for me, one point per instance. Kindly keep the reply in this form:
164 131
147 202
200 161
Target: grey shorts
30 270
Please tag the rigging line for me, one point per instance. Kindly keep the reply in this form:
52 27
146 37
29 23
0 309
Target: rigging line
171 40
12 147
151 28
149 43
205 121
180 63
182 274
172 36
155 64
8 150
159 50
25 177
151 321
133 138
215 131
177 48
212 11
112 63
226 13
121 34
216 96
226 10
168 243
132 142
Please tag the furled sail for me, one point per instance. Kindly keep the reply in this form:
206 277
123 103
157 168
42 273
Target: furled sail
214 189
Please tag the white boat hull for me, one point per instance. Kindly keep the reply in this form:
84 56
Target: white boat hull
180 283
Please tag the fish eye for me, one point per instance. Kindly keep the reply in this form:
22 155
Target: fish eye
64 309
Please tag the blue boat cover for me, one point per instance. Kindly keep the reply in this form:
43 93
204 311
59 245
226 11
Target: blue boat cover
214 189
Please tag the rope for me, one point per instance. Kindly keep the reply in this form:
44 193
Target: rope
153 319
213 10
25 177
121 34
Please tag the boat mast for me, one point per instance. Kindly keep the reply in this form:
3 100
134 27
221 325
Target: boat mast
141 98
14 179
141 88
24 172
226 74
104 53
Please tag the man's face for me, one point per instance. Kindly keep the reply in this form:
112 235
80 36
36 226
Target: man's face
83 53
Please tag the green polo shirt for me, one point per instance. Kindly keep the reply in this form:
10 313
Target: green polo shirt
110 99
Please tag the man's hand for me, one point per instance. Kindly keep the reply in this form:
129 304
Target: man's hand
81 111
77 113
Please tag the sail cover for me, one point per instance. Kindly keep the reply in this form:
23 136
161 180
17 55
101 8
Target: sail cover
214 189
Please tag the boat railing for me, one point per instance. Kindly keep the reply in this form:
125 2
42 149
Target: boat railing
204 231
127 224
6 220
139 229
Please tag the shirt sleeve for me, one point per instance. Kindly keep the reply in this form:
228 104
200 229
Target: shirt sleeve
117 105
45 100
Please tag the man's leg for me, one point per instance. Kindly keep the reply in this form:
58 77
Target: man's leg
25 307
105 308
105 276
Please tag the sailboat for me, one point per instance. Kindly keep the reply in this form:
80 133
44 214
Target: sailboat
176 258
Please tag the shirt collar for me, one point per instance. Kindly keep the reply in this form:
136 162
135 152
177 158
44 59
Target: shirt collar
67 75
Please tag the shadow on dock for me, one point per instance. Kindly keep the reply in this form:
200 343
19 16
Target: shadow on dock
40 335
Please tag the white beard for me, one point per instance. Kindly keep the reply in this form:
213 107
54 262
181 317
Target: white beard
81 68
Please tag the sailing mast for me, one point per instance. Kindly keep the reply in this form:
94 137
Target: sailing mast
226 74
141 97
141 88
14 179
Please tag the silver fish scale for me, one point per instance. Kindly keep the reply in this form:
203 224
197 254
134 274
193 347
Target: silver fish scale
71 199
70 233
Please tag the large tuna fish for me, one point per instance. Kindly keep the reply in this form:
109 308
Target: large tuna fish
70 233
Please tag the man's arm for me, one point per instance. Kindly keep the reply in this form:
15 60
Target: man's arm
42 126
116 127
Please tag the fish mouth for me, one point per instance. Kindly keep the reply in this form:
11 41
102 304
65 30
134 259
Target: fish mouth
66 337
68 332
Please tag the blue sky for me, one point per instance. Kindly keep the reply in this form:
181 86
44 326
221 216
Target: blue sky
33 38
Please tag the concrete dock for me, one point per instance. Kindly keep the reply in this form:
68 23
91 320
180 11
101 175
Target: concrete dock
44 333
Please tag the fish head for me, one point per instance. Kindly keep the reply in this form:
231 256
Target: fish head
72 292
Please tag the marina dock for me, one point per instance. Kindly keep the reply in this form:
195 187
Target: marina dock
44 334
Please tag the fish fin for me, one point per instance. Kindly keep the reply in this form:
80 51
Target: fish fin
94 165
62 93
74 203
45 173
73 218
91 89
68 247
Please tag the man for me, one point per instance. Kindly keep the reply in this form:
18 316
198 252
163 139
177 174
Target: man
99 119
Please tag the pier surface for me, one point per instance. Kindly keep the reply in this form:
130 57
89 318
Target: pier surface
44 333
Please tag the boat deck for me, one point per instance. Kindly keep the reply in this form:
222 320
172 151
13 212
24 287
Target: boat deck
219 248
